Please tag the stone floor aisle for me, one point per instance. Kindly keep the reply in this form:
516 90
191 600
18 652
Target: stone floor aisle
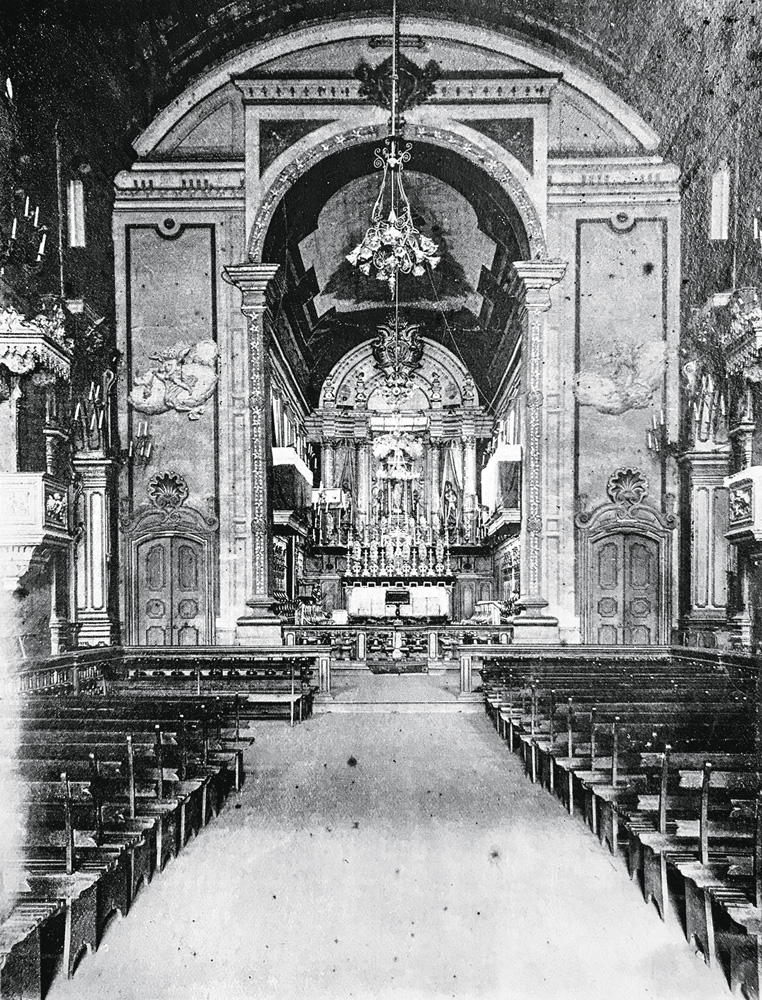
430 868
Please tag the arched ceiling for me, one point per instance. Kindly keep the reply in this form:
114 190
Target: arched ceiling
149 51
466 304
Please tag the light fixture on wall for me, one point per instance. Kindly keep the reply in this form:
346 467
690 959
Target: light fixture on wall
25 242
657 437
392 245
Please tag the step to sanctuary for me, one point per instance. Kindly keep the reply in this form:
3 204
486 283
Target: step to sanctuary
395 707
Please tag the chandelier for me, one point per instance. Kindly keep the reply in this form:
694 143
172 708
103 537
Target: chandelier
392 245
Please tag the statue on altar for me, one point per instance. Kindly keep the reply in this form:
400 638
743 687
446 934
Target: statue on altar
450 506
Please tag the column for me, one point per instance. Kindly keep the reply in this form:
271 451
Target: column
707 611
363 479
536 280
435 474
94 613
328 464
255 281
469 470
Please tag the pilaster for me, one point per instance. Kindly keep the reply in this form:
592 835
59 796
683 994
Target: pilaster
255 281
93 550
536 280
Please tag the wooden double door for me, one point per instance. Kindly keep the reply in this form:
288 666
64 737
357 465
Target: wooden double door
173 600
626 590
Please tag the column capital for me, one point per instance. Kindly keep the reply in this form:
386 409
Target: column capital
536 278
255 281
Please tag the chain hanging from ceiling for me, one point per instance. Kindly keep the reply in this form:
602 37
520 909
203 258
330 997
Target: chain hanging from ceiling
392 245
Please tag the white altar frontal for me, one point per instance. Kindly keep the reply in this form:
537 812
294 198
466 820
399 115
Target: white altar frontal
427 599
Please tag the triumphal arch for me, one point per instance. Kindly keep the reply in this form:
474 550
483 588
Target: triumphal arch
299 437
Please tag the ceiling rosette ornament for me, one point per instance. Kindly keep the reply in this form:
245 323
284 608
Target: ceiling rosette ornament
627 487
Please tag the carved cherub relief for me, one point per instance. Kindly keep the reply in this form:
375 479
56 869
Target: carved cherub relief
183 380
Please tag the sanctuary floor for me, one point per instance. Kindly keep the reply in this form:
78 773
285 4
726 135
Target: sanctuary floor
430 868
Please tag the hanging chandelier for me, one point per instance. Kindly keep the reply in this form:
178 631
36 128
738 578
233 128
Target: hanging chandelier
392 245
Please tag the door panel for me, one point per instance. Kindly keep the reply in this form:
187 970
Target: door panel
172 600
641 621
189 598
154 598
625 592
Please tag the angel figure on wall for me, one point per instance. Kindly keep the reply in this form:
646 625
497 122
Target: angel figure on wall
183 379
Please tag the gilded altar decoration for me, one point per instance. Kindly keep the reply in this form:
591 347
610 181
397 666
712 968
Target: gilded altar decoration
183 379
626 377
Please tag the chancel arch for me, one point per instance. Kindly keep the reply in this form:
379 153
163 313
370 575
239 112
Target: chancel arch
542 191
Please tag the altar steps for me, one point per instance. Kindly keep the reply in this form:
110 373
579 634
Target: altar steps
326 707
365 692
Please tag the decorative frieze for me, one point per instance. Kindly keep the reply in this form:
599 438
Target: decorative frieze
603 181
348 91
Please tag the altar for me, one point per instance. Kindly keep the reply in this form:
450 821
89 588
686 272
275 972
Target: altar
427 599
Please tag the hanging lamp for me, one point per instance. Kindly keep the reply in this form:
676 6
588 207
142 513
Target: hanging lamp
392 245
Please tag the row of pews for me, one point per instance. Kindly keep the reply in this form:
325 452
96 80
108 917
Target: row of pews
104 791
660 761
274 684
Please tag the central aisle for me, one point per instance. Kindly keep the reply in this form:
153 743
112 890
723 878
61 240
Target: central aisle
431 868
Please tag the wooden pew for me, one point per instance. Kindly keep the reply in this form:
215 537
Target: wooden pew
21 947
709 821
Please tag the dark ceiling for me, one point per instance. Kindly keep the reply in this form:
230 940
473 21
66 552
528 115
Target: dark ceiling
150 50
482 340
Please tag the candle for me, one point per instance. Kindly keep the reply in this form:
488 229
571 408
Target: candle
14 227
148 450
26 207
756 228
36 215
77 410
100 418
129 450
41 251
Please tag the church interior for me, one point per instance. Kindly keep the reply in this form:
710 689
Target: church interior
381 494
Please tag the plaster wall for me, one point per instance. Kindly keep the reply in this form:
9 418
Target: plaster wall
611 348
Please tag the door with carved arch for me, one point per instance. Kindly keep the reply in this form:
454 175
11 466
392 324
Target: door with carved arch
625 591
172 592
